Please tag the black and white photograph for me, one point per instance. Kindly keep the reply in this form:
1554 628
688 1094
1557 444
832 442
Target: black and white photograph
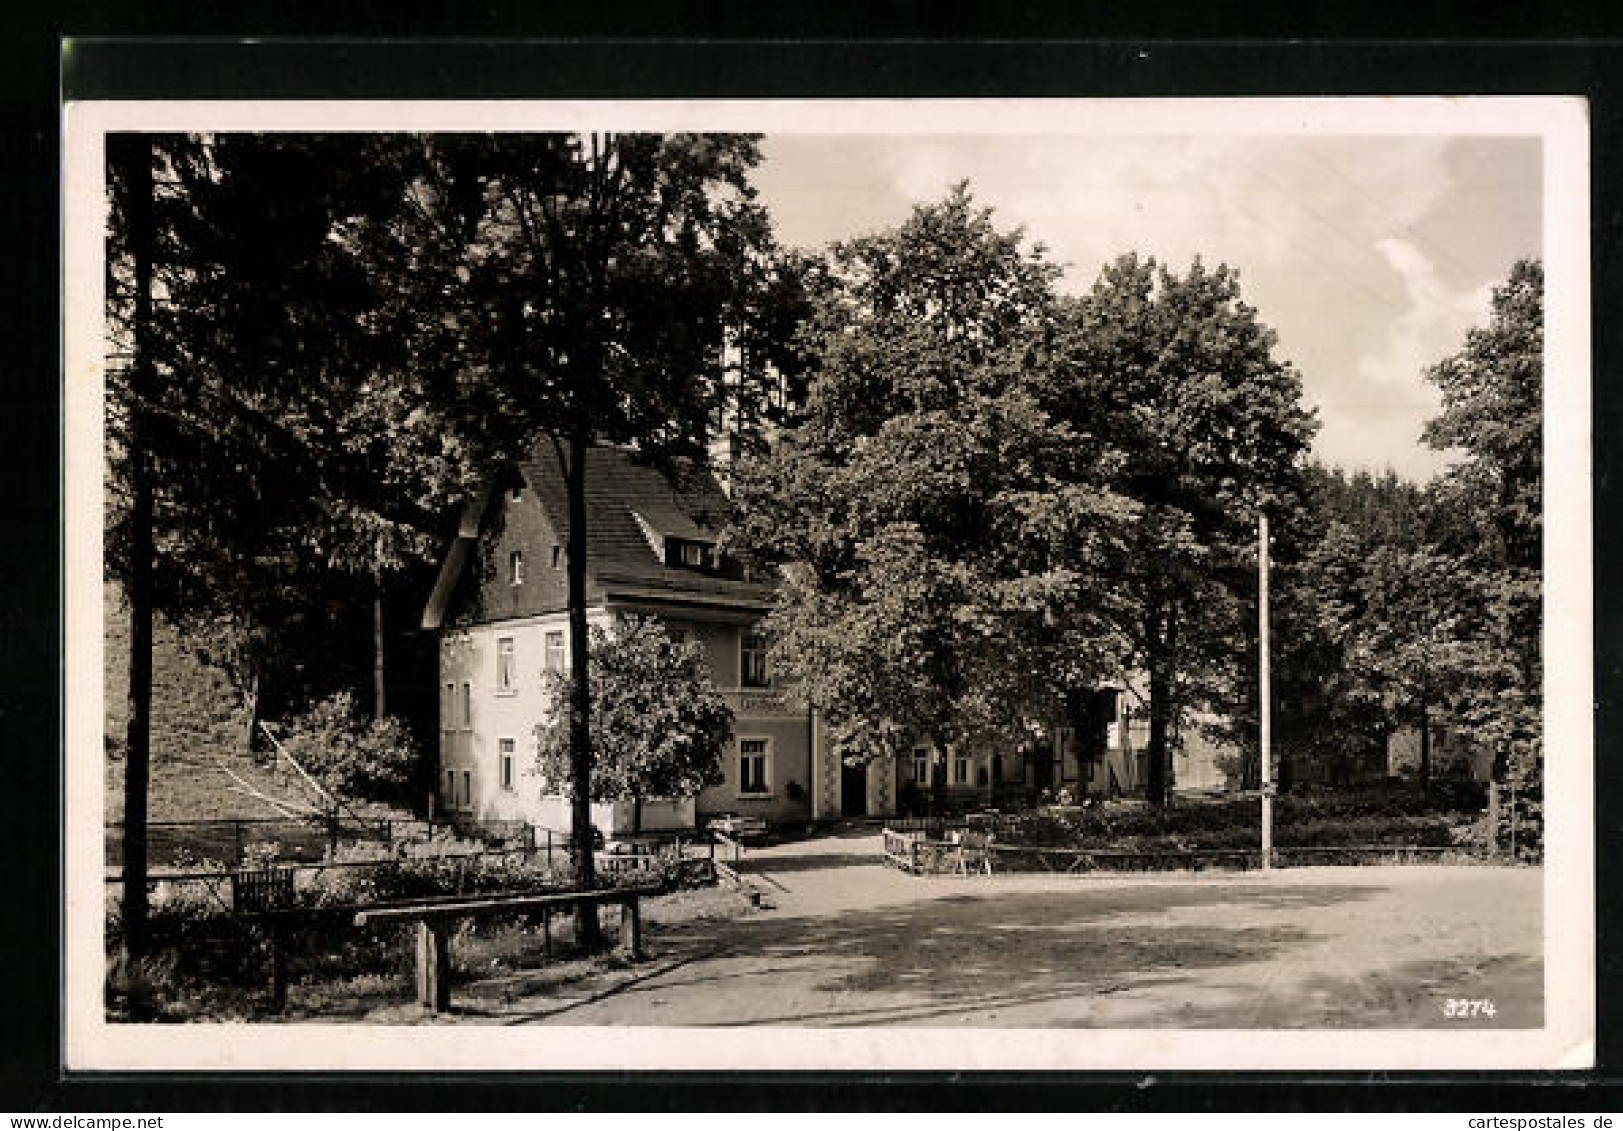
1058 584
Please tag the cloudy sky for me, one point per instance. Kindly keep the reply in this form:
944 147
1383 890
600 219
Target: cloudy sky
1370 256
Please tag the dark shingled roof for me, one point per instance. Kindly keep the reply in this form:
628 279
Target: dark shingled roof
618 554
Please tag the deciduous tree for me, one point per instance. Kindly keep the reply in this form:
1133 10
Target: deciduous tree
1180 375
1492 415
659 728
572 290
947 545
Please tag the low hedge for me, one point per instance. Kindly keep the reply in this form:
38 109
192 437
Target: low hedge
1307 821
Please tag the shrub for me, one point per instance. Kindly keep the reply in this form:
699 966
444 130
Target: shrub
1311 820
350 754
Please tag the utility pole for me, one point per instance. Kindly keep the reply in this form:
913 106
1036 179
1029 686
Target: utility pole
1263 696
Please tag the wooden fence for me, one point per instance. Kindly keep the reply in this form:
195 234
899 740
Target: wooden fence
915 852
309 840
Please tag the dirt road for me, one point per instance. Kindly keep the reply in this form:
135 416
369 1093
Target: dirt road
850 942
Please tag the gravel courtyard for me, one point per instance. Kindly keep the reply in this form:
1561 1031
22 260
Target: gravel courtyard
847 941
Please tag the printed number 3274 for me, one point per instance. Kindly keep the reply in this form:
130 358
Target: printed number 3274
1468 1007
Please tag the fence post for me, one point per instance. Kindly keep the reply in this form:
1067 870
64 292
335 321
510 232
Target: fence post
278 970
433 966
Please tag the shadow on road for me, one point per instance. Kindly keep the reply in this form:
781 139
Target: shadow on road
930 960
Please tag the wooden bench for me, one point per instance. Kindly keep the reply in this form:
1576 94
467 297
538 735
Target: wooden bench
434 919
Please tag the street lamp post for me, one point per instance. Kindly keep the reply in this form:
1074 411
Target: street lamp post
1263 695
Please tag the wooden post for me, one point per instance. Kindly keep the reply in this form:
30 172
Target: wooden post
1513 824
433 966
1493 818
631 927
278 969
1264 695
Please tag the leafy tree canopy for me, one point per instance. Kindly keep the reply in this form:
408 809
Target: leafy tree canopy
659 728
1179 375
944 538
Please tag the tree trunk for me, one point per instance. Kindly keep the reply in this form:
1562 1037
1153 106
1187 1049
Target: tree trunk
588 933
380 700
134 155
1425 747
250 711
1155 753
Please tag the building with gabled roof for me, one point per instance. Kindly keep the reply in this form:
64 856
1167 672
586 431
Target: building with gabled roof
500 606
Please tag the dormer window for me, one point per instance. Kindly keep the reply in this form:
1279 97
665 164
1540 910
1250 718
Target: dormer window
676 539
689 553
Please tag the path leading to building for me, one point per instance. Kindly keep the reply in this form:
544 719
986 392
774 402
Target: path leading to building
848 941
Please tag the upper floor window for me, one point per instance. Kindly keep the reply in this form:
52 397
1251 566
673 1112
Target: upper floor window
465 706
752 670
516 492
554 659
557 555
515 568
506 678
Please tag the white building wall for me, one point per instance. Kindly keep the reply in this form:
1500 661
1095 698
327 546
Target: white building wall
468 656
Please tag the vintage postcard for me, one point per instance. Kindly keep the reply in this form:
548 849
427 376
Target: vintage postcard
1037 585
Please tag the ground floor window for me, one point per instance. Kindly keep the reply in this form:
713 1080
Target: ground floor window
754 767
507 764
467 789
449 796
960 769
921 765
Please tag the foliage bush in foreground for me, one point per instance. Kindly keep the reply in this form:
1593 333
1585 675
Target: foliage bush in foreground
350 754
206 961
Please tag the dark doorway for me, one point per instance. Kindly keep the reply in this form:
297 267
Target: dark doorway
1042 767
853 790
